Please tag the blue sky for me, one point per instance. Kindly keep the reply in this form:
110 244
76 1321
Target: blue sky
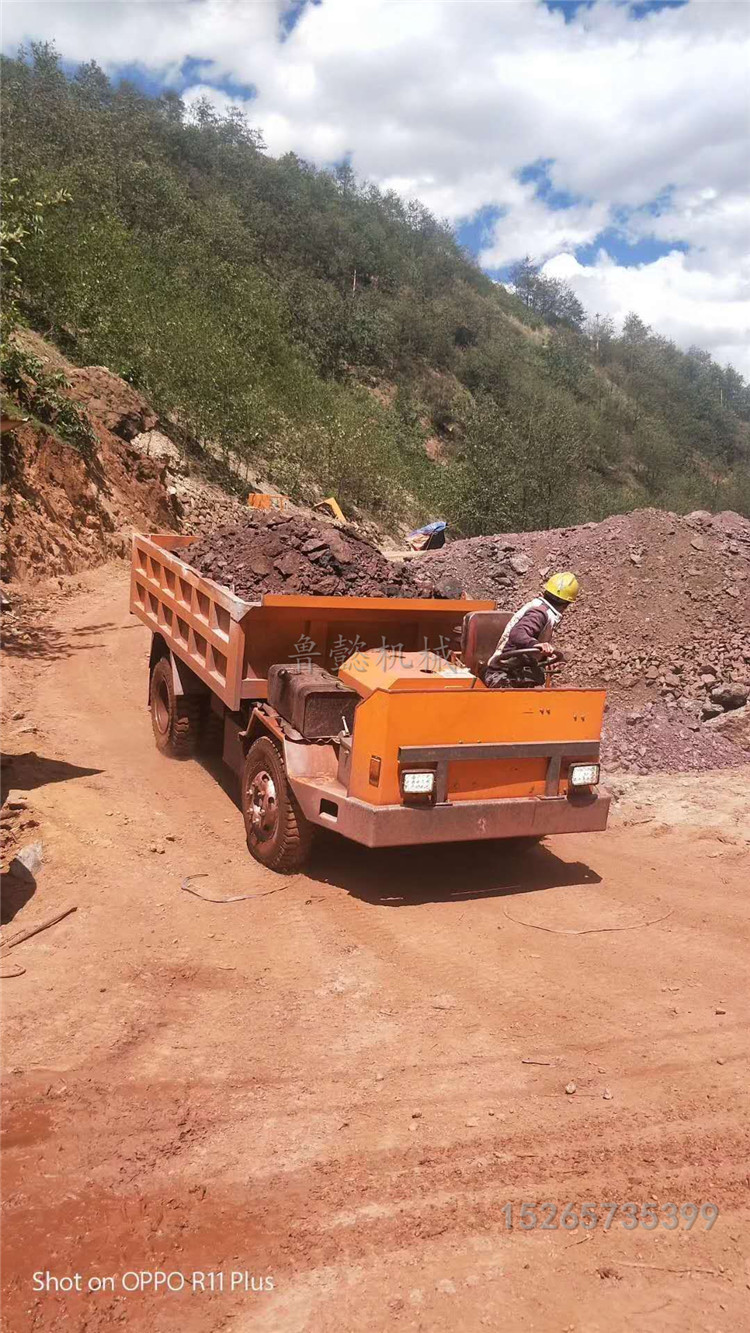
615 240
608 139
637 9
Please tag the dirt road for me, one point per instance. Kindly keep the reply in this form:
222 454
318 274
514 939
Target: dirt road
328 1085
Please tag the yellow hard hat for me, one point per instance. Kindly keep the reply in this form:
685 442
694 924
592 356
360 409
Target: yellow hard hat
563 586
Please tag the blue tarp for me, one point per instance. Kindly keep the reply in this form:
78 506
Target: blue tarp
438 526
432 534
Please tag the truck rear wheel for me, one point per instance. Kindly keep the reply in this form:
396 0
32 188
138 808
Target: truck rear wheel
175 718
278 834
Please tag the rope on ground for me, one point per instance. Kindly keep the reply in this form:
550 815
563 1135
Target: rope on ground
18 973
239 898
590 930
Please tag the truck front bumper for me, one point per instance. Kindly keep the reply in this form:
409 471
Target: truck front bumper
459 821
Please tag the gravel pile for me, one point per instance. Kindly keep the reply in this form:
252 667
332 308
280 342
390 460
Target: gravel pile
664 609
662 622
291 554
657 739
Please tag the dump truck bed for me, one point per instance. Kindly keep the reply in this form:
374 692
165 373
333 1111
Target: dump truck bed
230 644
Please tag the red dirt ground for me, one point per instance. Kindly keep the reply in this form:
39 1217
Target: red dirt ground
326 1084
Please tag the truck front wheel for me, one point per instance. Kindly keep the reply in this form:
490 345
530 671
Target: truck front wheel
175 718
278 834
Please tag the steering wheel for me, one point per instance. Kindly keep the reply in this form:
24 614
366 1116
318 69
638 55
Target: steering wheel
535 654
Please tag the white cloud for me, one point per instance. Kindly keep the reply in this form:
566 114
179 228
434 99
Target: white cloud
534 229
716 225
155 33
448 101
678 299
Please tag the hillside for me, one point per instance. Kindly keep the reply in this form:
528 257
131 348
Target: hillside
332 336
77 482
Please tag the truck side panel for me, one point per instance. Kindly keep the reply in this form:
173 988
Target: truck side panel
198 621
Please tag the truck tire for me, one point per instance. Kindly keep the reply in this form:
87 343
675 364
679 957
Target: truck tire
175 718
278 834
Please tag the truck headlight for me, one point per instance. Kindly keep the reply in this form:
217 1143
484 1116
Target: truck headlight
584 775
418 784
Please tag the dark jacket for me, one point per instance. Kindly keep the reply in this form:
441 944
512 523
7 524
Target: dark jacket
529 629
535 622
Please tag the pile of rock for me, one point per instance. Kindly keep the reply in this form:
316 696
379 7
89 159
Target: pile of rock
664 611
657 739
287 553
663 622
723 699
728 714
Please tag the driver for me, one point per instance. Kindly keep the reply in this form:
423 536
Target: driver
531 627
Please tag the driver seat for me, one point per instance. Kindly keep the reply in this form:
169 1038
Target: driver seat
480 635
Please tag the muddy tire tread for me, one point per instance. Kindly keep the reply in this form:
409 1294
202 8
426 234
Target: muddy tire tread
181 739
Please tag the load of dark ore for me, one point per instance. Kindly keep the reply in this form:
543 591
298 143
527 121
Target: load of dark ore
283 553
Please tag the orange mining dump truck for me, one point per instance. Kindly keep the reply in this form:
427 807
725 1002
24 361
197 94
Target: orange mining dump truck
364 715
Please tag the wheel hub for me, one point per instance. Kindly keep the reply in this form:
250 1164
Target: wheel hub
262 807
161 708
